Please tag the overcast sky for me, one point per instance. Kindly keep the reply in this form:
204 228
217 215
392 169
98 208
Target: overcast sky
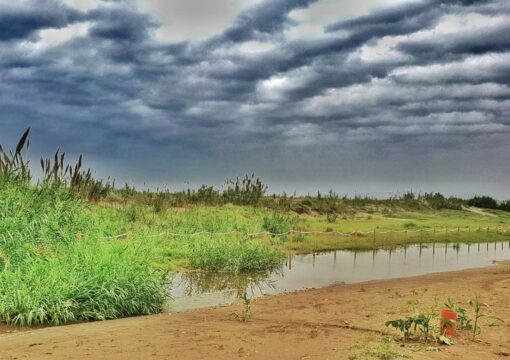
372 97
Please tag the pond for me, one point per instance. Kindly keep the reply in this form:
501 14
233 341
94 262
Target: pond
196 290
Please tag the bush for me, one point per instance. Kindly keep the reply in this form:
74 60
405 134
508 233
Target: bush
233 255
248 191
485 202
277 223
505 205
438 201
331 217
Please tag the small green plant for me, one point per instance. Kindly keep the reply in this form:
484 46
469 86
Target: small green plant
414 326
331 217
422 323
479 314
463 320
410 225
403 325
277 223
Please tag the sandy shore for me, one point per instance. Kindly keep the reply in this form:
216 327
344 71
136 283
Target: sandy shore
335 322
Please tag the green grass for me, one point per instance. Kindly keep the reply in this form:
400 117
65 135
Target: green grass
233 255
419 225
50 277
209 252
90 280
235 251
67 257
378 347
60 261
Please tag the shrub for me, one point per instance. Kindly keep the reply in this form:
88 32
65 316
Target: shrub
485 202
331 217
247 191
277 223
233 255
505 205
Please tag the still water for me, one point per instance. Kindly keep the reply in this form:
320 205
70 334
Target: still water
299 272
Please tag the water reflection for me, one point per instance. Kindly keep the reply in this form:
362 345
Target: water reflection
195 283
202 289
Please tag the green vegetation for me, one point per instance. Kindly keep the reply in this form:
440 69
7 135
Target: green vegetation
421 326
482 317
227 254
49 275
414 326
73 248
378 347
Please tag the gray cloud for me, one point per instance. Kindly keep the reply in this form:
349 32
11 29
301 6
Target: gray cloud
392 82
20 20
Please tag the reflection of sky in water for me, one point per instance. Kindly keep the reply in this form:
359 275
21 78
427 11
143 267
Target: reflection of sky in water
198 290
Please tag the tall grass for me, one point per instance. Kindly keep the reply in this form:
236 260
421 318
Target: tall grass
89 280
49 275
233 255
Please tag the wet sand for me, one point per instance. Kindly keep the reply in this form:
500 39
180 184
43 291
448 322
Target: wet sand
314 324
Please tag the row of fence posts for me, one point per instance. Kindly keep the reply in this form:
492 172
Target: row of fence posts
291 232
390 232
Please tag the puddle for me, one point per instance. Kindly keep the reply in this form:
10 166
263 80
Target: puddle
299 272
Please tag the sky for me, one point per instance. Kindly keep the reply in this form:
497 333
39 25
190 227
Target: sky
369 97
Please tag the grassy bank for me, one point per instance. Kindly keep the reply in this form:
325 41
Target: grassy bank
241 240
51 276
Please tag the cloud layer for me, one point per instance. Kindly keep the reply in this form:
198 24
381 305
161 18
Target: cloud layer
368 99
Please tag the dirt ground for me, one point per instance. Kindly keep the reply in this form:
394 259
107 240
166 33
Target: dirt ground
336 322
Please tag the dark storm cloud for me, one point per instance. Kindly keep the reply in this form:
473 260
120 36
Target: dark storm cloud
401 19
18 22
404 76
264 20
121 25
493 40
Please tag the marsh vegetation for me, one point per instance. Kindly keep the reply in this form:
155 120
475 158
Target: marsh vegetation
73 248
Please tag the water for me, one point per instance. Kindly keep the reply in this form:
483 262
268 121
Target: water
300 272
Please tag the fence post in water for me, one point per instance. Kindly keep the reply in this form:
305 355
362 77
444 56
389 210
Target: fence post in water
374 236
